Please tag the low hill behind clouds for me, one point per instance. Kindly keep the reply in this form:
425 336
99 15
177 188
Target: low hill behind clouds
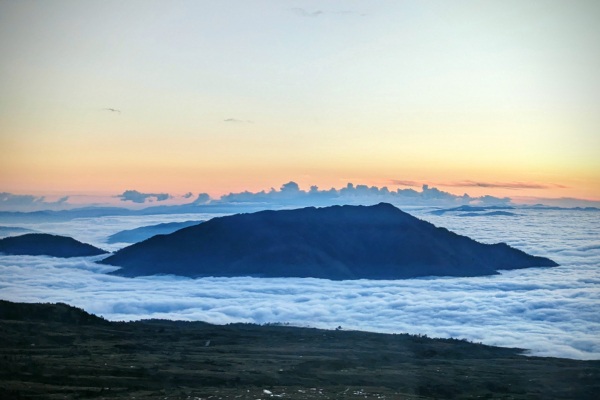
39 244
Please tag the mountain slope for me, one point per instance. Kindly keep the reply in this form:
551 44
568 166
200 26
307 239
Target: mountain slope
51 351
38 244
339 242
146 232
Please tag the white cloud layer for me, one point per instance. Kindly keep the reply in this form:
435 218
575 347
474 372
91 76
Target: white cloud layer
549 311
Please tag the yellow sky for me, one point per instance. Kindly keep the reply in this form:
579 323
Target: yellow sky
497 98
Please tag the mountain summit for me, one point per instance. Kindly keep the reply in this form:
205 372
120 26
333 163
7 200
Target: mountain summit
339 242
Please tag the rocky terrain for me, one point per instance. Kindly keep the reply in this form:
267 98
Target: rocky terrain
54 351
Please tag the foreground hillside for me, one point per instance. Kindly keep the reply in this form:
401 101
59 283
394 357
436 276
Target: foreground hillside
56 351
339 242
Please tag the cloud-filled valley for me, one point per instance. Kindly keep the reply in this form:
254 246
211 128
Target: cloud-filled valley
548 311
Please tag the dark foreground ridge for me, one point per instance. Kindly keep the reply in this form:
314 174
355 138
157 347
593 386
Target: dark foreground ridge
51 351
339 242
43 244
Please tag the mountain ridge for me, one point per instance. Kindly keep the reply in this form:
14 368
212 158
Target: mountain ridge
145 232
336 242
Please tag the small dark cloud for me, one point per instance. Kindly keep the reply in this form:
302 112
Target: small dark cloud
301 12
138 197
503 185
237 121
203 198
187 195
399 182
307 14
112 110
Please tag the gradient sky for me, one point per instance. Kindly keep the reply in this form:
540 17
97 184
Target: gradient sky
496 97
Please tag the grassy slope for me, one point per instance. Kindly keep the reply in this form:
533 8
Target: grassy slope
56 351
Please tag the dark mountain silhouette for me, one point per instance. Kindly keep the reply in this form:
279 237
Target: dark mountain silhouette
487 214
339 242
471 209
47 312
145 232
39 244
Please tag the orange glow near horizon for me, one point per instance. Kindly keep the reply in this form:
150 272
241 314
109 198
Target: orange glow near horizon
490 100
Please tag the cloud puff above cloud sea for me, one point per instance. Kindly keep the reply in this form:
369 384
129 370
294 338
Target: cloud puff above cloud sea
548 311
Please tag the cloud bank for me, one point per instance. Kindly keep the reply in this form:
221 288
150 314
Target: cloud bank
550 312
138 197
291 194
410 194
18 202
503 185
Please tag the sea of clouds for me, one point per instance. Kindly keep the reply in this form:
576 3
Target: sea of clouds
547 311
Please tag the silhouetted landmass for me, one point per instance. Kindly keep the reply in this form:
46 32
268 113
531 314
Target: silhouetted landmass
96 212
338 242
487 214
211 208
470 209
43 244
62 215
476 210
50 351
47 312
146 232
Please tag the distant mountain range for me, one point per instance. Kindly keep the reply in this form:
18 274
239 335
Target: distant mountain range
488 214
39 244
338 242
472 211
145 232
13 230
12 217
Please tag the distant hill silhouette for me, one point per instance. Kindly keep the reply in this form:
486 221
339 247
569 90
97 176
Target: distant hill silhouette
13 230
38 244
470 209
339 242
59 312
146 232
487 214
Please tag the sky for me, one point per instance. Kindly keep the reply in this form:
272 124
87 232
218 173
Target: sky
477 97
